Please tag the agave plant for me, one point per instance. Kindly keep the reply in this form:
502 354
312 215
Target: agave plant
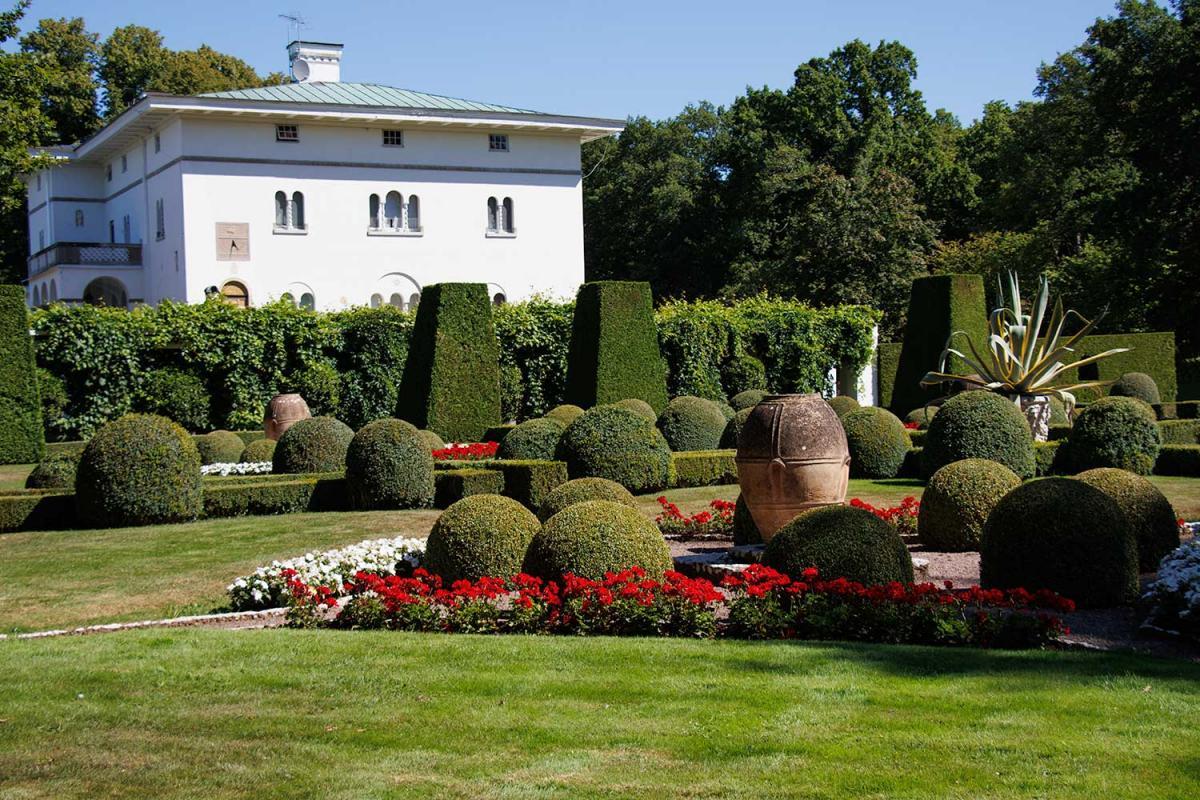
1020 361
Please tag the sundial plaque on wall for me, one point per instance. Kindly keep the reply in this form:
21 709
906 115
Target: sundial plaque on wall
233 241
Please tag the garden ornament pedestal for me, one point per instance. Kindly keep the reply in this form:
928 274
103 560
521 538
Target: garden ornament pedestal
284 411
792 456
1036 408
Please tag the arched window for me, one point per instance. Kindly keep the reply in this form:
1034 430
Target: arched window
376 300
281 210
413 223
297 209
106 292
493 215
307 301
288 298
507 211
393 210
235 294
498 299
396 301
42 295
53 291
413 301
373 212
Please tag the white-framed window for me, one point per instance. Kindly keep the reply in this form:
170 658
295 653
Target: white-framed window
498 142
289 212
412 213
297 211
157 143
506 212
308 301
493 215
376 300
281 209
287 133
108 172
396 301
124 164
500 219
79 218
392 138
160 224
393 213
373 213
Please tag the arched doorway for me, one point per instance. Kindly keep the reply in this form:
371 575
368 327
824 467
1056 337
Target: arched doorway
235 293
106 291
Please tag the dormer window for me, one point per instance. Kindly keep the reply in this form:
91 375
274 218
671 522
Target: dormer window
393 138
498 142
287 133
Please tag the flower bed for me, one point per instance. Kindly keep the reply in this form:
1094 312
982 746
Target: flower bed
903 516
468 451
239 468
1175 595
270 586
716 523
758 603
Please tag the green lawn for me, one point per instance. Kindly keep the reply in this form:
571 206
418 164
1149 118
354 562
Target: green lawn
250 714
12 476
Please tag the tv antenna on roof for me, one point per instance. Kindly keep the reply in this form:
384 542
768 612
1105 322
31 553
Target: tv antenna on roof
295 23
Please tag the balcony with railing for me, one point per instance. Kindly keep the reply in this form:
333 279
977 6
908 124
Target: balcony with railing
85 254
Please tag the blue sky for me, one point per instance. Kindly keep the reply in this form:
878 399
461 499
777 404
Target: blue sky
615 58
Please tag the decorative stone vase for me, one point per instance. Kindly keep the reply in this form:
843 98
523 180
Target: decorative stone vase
284 411
792 456
1036 408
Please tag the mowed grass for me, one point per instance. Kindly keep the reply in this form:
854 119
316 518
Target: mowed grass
12 476
278 713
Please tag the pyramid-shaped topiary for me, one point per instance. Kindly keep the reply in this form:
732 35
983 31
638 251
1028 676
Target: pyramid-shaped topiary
451 381
21 437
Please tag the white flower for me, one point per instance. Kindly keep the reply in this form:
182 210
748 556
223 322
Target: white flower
243 468
1177 590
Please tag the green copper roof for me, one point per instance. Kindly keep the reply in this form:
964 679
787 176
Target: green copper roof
361 94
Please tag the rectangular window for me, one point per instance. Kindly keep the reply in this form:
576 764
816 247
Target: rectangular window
108 172
124 164
393 138
41 240
126 229
498 142
157 143
79 218
287 133
160 226
112 232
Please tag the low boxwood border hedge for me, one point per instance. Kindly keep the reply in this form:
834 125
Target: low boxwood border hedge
1182 460
452 485
1180 431
281 494
528 482
36 510
703 468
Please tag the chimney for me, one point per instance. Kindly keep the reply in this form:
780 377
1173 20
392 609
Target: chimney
315 61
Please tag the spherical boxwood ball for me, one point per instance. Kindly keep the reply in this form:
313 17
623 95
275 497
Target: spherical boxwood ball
532 440
54 472
565 413
745 530
843 404
317 444
878 442
742 372
220 447
957 501
1136 384
1119 432
432 439
692 423
922 416
389 465
581 490
484 534
1060 534
748 399
140 469
639 407
615 443
726 410
594 537
258 451
733 429
841 542
1147 510
1058 412
979 425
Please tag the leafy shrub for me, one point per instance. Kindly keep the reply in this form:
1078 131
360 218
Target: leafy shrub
1148 512
726 410
1178 459
565 413
532 440
534 336
979 425
388 466
1119 432
258 451
431 438
1064 535
370 361
140 469
1058 414
745 530
320 386
704 468
1051 458
484 534
843 404
53 393
741 373
639 407
615 443
747 399
1138 385
529 482
22 440
957 501
452 485
594 537
877 441
219 447
581 490
175 395
692 423
922 416
614 346
511 391
733 429
451 380
841 542
53 472
317 444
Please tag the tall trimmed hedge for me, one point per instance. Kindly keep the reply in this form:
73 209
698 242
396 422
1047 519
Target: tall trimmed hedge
451 381
22 440
614 351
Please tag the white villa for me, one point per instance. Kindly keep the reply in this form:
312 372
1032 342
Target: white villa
330 194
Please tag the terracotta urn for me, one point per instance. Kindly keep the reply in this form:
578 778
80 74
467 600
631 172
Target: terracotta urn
792 456
284 411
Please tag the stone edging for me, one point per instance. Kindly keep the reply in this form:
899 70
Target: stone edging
252 619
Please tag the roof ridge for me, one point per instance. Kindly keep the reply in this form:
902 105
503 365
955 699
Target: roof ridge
362 93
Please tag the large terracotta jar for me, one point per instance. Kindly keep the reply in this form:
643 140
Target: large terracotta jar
792 456
284 411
